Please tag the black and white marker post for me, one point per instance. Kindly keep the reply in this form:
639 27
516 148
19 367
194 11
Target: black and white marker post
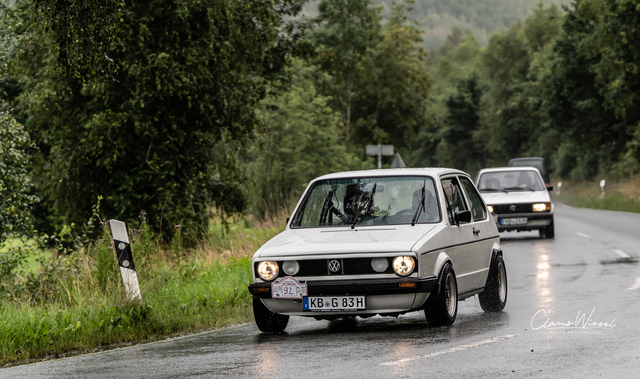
125 259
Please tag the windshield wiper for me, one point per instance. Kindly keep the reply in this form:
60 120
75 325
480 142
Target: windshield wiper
366 209
421 206
488 189
518 189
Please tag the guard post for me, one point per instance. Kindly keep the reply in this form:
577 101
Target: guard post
125 259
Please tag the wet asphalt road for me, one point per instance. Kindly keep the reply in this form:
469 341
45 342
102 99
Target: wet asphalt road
589 269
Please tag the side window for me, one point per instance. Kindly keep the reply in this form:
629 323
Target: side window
478 212
453 198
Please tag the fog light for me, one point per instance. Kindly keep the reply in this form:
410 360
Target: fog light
403 265
268 270
379 264
541 207
290 267
490 208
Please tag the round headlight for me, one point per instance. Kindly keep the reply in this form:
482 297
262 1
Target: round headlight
268 270
490 208
290 267
404 265
379 264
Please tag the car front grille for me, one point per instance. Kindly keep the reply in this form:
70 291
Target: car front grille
512 208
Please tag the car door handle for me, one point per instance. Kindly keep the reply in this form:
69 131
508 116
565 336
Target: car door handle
476 231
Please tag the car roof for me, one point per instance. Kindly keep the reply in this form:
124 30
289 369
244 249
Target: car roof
425 171
527 159
510 168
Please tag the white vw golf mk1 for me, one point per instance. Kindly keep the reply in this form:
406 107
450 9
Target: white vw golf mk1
381 242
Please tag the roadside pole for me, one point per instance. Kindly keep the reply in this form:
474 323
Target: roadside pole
125 259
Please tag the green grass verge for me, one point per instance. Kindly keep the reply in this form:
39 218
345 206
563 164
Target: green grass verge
612 202
195 299
76 303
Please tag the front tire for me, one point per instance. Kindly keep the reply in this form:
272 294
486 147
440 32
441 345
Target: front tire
267 321
494 296
441 307
548 231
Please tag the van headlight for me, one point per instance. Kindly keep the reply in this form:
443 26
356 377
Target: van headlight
403 265
268 270
541 207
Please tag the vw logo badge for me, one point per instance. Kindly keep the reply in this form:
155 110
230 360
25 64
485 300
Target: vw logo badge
334 265
121 246
125 263
512 208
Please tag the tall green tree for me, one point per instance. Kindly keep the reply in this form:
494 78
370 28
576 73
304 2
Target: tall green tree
347 31
457 148
16 193
590 136
159 132
299 138
511 121
396 86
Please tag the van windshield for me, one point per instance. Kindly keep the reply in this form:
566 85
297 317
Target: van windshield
537 163
368 201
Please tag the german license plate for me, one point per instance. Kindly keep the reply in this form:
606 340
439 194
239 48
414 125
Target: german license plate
333 303
514 221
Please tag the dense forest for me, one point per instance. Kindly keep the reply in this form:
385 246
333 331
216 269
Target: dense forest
436 18
177 108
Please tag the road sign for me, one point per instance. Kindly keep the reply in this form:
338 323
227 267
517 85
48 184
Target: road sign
397 162
379 150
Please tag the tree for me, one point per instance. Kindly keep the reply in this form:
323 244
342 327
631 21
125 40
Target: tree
511 121
16 195
590 137
396 86
299 138
83 32
347 31
458 148
159 134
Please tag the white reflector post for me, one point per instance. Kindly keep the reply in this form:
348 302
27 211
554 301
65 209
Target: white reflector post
125 259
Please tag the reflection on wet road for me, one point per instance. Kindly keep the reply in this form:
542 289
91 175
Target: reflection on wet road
571 312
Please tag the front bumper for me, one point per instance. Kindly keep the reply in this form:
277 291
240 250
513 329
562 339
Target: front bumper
386 286
383 296
535 221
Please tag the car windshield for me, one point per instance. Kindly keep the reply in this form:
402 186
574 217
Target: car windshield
510 181
369 201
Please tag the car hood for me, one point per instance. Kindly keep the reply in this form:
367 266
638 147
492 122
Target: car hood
396 238
515 197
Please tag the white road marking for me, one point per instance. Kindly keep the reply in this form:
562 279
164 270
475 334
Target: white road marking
636 285
583 235
622 253
452 350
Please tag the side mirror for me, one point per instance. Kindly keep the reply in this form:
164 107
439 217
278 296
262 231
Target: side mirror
287 222
462 216
549 188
